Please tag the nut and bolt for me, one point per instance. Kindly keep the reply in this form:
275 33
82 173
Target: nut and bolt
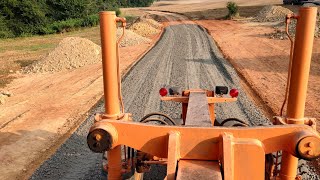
97 137
311 144
310 152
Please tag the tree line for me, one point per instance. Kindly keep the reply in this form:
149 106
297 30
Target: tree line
30 17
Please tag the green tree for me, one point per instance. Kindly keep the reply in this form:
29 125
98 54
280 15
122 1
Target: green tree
5 32
68 9
232 9
24 16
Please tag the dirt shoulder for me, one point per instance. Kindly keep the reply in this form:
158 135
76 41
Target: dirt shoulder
263 62
46 108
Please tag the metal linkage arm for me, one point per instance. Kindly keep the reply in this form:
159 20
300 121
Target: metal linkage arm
199 143
202 142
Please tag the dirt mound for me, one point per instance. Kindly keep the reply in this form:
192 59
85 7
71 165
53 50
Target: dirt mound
71 53
272 14
75 52
146 27
278 14
131 38
151 22
280 33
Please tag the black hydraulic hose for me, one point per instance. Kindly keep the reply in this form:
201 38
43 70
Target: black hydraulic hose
159 114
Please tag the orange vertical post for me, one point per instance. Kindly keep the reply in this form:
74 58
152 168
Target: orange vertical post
110 80
299 81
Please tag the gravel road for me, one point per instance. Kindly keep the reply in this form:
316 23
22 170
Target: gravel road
185 57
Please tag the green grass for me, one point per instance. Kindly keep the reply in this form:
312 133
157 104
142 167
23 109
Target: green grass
33 47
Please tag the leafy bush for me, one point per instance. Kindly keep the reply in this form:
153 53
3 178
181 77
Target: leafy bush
23 17
69 9
64 26
233 9
90 21
5 32
30 17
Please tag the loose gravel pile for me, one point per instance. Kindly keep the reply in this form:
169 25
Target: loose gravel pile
280 33
131 38
272 14
75 52
278 14
71 53
145 27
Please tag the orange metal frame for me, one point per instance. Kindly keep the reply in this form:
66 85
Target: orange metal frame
240 151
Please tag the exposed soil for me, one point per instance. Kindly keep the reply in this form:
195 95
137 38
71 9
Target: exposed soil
263 63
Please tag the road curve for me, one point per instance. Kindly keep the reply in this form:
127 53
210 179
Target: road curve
185 57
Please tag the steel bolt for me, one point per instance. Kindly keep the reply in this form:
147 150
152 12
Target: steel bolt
97 137
310 152
311 144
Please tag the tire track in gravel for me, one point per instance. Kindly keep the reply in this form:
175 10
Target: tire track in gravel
185 57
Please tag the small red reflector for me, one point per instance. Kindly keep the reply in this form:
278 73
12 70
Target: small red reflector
163 92
234 93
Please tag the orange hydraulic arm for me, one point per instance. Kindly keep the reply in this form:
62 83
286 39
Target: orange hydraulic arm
239 151
299 81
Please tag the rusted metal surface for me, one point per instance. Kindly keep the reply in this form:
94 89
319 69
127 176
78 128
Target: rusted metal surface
196 170
299 80
198 111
